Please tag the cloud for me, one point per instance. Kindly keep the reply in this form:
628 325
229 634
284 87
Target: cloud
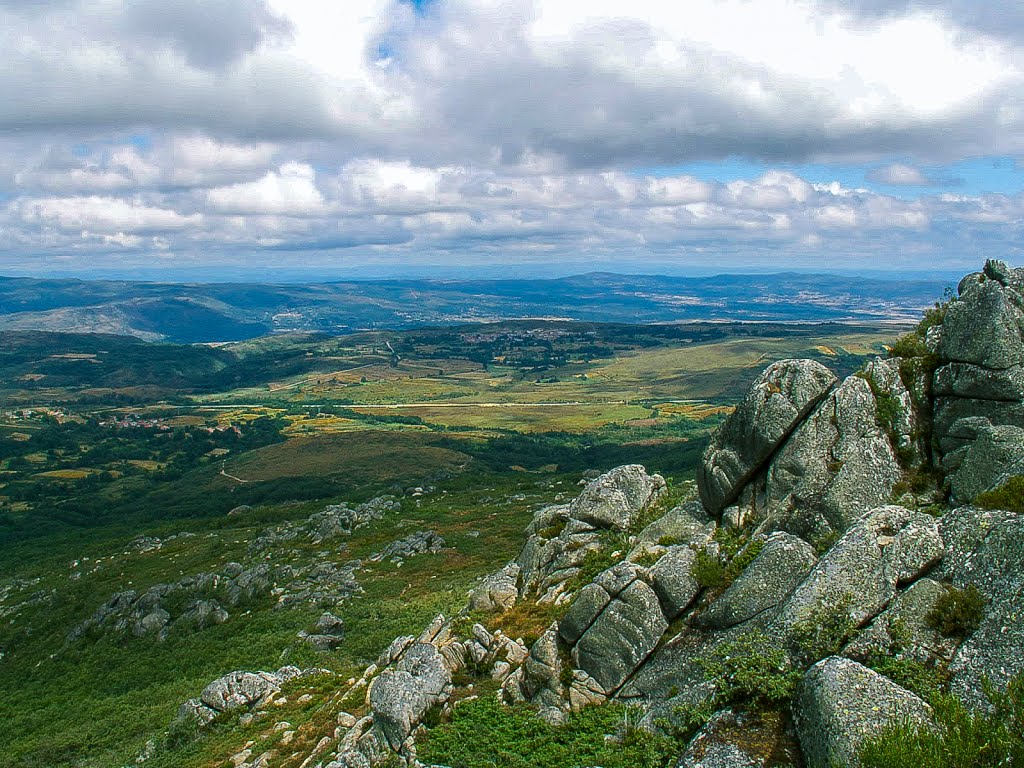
900 175
108 214
290 190
209 34
488 129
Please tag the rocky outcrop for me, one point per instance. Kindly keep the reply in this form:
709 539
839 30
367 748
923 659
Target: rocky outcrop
401 696
887 547
838 464
737 739
979 384
332 522
614 499
418 543
560 537
328 633
234 691
777 402
782 564
498 591
987 551
840 704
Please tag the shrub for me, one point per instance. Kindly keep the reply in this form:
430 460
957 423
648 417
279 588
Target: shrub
751 672
482 732
1008 496
957 612
708 569
742 560
926 680
960 739
822 635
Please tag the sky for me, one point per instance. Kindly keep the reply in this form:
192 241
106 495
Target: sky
252 138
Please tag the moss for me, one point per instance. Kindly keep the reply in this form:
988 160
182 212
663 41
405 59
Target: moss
1008 496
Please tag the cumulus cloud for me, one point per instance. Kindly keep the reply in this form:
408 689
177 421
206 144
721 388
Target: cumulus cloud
476 129
290 190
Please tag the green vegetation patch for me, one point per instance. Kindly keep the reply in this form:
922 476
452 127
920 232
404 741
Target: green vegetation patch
1008 496
960 739
484 733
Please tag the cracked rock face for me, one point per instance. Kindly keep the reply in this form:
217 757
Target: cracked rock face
779 400
979 386
888 546
784 563
838 464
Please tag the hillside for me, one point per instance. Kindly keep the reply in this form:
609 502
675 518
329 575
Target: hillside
191 313
820 567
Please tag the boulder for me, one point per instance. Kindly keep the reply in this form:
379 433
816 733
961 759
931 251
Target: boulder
972 381
840 704
888 546
733 739
902 629
685 524
621 637
498 592
837 465
782 564
776 403
673 580
614 499
538 680
984 326
400 697
987 461
987 551
240 689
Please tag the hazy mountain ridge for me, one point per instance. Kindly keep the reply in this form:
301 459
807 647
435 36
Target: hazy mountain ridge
234 311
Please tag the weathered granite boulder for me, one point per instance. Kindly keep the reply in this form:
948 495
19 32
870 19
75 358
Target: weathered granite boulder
840 704
784 563
400 697
244 689
987 551
686 524
837 464
615 498
896 409
888 546
777 402
902 629
673 580
621 636
982 356
560 537
984 326
498 592
987 461
538 680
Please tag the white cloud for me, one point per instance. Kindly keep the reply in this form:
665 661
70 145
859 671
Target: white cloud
291 190
106 214
900 174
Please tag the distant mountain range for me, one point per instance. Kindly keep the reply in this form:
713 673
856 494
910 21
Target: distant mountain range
208 312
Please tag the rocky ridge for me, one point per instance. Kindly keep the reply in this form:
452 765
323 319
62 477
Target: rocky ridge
832 518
